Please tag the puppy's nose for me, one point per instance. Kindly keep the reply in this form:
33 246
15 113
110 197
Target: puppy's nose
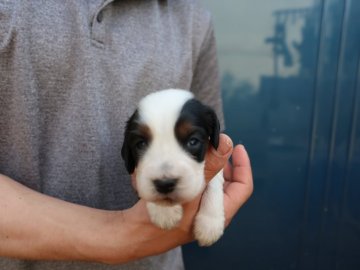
165 186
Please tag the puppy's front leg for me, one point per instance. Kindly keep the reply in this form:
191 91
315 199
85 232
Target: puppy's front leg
210 220
165 217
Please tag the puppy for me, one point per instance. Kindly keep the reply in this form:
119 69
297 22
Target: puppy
165 141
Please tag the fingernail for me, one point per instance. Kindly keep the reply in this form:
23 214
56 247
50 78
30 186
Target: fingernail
224 148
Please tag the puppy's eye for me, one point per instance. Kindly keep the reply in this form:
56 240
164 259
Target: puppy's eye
193 142
141 144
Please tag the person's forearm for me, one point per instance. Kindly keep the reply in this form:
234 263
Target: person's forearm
35 226
38 227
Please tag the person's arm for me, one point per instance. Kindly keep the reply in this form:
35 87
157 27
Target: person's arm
39 227
36 226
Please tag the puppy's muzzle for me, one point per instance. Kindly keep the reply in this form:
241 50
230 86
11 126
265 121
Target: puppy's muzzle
165 186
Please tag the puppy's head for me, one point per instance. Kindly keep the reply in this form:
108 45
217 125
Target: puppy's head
166 141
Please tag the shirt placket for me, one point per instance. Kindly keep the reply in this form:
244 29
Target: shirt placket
98 25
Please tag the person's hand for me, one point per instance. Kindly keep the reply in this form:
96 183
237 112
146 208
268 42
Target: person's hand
238 185
237 189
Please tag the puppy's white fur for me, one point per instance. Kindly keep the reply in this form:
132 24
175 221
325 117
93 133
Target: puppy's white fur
165 158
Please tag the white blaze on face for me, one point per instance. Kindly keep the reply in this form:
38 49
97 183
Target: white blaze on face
165 158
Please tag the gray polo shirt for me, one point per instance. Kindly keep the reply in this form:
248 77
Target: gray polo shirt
71 73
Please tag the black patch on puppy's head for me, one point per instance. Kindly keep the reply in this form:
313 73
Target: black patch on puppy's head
197 125
137 137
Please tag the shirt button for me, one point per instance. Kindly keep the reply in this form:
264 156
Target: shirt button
100 17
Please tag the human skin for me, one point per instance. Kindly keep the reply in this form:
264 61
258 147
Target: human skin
39 227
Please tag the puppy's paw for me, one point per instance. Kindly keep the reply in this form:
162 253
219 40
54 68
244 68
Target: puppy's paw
165 217
208 229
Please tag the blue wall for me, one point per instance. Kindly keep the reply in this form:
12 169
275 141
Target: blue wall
291 89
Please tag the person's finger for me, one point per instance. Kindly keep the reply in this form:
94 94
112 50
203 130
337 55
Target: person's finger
215 160
241 166
240 186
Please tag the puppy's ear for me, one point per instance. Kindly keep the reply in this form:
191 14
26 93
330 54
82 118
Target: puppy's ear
213 126
126 151
205 117
127 156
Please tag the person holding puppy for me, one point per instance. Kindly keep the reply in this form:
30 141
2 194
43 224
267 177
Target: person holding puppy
71 73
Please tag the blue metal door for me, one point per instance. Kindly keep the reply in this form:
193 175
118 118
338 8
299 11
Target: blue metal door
291 88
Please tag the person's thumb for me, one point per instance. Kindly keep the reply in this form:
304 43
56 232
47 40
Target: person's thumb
215 160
